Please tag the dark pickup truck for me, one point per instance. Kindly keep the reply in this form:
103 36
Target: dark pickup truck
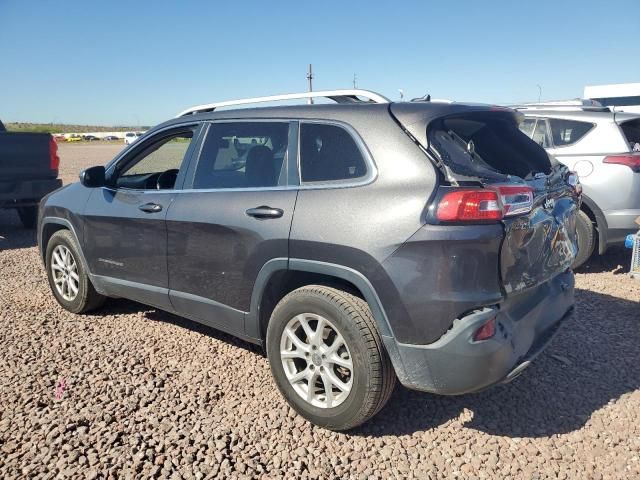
28 171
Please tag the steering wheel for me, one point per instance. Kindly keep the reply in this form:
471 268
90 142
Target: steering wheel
167 179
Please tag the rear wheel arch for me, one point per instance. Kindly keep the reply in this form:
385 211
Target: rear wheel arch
280 277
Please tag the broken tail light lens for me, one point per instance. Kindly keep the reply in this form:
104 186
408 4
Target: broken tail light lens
515 199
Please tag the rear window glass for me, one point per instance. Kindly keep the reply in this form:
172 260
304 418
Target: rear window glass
567 132
486 144
631 131
329 153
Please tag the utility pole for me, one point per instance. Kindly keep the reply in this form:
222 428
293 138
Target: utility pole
539 92
355 80
310 78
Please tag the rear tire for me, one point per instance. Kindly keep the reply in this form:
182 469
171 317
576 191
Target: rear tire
28 215
360 380
586 236
68 276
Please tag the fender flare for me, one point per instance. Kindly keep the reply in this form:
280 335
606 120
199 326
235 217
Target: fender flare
252 318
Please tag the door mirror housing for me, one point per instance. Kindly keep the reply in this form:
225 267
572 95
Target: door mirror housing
93 177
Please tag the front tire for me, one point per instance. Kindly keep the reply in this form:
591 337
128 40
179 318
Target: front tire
68 276
327 357
586 236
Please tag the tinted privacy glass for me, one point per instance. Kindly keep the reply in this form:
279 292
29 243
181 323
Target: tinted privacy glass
242 155
486 145
566 132
329 152
165 154
631 131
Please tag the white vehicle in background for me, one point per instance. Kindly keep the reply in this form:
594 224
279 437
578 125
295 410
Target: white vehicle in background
603 147
131 137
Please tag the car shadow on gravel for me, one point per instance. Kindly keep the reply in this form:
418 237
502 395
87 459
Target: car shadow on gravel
13 234
592 361
122 306
617 260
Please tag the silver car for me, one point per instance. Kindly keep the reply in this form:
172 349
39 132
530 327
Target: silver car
603 147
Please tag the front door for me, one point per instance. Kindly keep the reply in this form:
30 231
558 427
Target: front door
233 216
125 236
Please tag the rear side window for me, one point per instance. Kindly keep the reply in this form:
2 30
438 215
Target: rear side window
567 132
527 126
243 155
486 145
631 132
329 153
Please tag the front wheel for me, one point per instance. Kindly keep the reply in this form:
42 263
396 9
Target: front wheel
327 357
67 275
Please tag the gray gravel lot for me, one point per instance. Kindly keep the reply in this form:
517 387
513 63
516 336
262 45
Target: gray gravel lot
149 394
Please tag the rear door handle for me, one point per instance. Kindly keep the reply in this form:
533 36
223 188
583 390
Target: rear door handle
265 212
150 207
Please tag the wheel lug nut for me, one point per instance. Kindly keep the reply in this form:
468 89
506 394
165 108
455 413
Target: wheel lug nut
312 366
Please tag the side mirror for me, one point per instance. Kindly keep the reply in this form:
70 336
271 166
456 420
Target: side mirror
93 177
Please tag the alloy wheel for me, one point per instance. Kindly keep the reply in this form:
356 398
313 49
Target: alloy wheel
316 360
65 272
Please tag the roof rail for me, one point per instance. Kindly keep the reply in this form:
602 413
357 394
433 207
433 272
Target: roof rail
578 104
338 96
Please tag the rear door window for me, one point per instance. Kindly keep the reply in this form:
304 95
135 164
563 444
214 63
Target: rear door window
568 132
329 153
486 145
243 155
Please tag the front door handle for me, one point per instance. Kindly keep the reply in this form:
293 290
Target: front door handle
265 212
150 207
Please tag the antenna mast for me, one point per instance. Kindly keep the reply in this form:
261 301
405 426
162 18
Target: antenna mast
310 78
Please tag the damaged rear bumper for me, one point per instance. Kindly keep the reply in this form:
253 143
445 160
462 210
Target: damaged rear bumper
456 364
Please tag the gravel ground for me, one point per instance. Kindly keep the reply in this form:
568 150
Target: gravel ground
135 392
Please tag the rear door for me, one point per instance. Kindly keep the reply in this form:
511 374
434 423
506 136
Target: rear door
233 216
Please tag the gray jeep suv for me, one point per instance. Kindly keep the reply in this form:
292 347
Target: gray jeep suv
358 243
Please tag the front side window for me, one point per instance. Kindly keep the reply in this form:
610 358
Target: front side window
329 153
567 132
243 155
157 163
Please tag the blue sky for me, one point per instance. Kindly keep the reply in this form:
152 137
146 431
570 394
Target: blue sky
138 63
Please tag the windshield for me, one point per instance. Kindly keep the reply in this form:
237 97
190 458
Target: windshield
487 145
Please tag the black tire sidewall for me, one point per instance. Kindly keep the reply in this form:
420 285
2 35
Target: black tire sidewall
315 303
585 233
78 303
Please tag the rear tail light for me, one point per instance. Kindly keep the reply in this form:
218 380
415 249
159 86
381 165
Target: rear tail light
469 205
54 160
486 331
492 203
631 160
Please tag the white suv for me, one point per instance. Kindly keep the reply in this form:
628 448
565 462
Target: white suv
131 137
603 148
